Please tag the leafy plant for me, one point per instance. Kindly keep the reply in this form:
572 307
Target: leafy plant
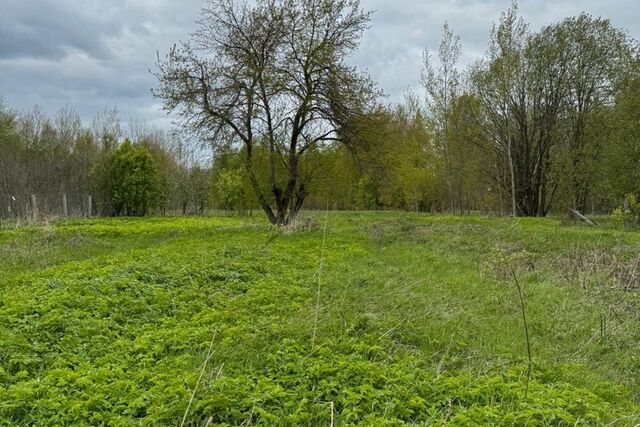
111 321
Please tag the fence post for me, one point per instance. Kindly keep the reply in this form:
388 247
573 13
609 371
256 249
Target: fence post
65 211
34 208
89 205
13 206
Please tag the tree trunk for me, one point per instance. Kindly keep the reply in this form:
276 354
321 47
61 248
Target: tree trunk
34 208
289 202
297 204
256 187
514 209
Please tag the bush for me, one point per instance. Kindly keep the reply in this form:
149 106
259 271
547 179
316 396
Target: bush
134 180
366 197
629 213
229 191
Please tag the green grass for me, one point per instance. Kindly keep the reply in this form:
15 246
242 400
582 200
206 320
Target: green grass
417 323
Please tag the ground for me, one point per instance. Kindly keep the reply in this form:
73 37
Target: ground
347 318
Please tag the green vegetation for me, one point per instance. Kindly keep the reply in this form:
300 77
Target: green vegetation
383 318
412 319
543 122
134 179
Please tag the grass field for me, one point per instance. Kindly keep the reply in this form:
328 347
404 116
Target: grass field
377 319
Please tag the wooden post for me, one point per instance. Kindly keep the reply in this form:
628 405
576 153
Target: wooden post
582 217
12 206
89 203
34 208
65 211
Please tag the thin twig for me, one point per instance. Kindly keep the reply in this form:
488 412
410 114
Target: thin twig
248 420
442 360
526 329
331 425
394 327
202 369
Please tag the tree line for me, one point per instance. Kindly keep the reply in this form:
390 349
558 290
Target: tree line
541 123
55 165
544 121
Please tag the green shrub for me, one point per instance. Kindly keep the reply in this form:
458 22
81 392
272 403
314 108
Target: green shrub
134 179
229 191
629 213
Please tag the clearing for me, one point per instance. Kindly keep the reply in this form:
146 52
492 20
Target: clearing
412 319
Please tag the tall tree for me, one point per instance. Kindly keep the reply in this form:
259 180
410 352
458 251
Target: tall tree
597 55
443 87
270 76
621 165
495 80
520 86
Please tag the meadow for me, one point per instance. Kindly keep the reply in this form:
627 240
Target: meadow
354 318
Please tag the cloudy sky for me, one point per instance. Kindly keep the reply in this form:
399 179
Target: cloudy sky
92 55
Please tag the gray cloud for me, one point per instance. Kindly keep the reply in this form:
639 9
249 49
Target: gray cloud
401 30
92 55
47 30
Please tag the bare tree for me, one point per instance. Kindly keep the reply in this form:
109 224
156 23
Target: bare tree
271 78
107 128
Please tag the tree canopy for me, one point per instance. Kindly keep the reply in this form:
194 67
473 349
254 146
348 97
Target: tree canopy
272 77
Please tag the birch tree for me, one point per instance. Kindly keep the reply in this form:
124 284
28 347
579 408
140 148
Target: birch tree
443 86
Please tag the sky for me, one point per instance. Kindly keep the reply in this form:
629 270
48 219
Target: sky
92 55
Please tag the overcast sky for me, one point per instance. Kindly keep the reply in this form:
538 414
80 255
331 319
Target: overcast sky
92 55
